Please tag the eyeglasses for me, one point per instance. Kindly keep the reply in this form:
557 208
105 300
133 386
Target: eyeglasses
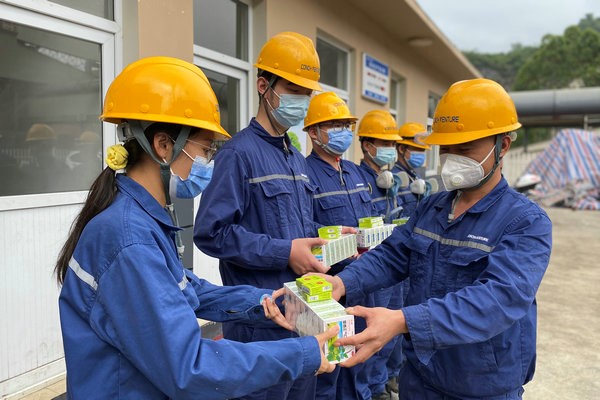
339 126
209 151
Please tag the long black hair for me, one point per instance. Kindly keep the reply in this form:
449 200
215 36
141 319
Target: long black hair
102 193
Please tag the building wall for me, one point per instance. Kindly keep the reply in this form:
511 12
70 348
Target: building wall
339 20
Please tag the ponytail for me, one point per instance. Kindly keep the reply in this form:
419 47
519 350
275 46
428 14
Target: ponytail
102 193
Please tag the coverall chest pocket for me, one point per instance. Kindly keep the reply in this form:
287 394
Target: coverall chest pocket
465 266
365 203
276 205
420 262
332 209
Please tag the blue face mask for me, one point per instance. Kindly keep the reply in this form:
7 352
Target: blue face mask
416 159
292 109
385 156
196 182
339 141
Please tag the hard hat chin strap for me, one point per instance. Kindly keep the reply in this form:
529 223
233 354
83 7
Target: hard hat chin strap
165 170
497 159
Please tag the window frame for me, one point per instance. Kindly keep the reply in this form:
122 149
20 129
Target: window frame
80 25
344 94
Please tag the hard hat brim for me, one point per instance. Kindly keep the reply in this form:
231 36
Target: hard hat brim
295 79
450 138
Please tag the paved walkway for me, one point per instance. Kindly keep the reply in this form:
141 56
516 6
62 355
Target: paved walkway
568 366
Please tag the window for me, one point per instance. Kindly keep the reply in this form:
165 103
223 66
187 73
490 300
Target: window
334 64
335 72
398 98
221 49
50 100
222 26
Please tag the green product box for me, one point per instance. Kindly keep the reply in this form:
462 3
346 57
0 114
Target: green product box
311 298
330 232
400 221
309 319
312 284
370 222
314 288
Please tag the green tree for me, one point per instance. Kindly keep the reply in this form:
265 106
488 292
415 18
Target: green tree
502 67
589 22
563 61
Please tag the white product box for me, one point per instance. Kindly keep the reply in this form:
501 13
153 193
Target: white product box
309 319
336 250
367 237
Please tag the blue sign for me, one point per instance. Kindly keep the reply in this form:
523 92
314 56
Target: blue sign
375 80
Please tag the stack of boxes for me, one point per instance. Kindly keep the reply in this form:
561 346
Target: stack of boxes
372 231
312 317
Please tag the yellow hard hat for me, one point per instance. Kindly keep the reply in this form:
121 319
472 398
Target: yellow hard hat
471 110
88 137
378 124
410 133
163 89
293 57
40 132
327 106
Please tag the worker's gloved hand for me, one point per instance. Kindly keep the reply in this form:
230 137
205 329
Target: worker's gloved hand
322 338
302 260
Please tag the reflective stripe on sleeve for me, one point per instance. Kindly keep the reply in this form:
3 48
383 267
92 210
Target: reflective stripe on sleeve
82 274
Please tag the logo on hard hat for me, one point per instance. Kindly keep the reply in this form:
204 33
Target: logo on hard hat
449 118
309 68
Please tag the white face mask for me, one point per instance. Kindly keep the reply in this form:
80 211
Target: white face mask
460 172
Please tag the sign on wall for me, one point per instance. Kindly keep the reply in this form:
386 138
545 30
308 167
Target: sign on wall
375 80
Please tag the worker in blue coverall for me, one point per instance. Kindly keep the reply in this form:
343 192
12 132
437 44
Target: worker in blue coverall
128 307
410 157
341 198
256 214
475 255
378 134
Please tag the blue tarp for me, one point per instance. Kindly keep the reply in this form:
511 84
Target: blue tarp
569 169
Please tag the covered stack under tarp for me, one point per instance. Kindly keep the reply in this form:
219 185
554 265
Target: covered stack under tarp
569 169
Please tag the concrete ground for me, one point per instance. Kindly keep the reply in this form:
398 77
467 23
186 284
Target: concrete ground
568 365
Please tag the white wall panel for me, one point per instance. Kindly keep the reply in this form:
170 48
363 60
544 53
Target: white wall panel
29 244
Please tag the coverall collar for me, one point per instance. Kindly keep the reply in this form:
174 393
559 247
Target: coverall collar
327 168
137 193
277 141
443 207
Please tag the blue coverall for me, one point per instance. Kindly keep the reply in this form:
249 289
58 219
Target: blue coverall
471 310
408 199
258 201
341 198
129 310
375 370
378 195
